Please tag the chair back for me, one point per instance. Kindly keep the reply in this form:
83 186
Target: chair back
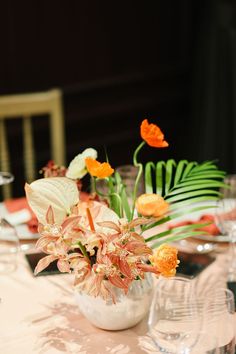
25 106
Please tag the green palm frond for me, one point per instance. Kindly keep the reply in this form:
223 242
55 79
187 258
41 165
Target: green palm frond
183 185
188 179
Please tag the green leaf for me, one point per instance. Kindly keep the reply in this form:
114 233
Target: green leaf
173 238
114 197
150 166
192 201
169 173
181 167
184 189
159 177
177 230
193 183
215 174
188 169
173 216
194 193
125 204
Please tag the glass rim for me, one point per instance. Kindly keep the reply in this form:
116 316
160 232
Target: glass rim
7 175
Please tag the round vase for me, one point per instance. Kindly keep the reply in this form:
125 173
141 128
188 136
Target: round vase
128 310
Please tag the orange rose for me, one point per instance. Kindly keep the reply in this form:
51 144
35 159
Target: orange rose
151 205
152 134
98 169
165 259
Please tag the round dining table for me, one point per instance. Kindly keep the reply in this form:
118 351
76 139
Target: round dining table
39 315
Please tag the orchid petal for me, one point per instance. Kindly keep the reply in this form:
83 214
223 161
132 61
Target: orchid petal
70 223
148 268
44 263
125 269
109 225
44 241
63 266
117 281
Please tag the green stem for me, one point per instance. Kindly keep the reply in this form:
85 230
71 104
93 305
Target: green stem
136 153
139 175
118 207
83 250
98 192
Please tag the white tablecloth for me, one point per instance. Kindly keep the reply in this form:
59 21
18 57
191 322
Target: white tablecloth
38 315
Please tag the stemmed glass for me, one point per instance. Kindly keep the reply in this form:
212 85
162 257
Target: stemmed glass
217 307
6 178
174 320
9 241
225 218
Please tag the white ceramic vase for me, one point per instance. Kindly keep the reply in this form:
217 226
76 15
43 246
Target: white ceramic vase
129 309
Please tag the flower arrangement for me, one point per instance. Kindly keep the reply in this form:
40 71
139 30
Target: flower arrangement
117 242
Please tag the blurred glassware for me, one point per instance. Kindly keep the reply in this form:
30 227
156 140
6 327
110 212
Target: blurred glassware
6 178
9 241
174 320
230 180
9 247
225 218
128 174
218 326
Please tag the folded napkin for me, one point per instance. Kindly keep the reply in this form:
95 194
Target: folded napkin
212 229
19 205
23 212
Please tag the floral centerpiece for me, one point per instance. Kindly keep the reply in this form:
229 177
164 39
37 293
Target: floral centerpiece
108 242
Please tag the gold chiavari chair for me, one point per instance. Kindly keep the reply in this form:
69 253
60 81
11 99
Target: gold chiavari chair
26 106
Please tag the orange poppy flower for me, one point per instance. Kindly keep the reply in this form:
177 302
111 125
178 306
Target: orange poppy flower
151 205
152 134
98 169
165 260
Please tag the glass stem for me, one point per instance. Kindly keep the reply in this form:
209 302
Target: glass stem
232 260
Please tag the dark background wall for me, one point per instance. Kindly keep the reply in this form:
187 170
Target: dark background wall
116 63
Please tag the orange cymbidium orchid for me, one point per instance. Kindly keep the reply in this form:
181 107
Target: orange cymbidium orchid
165 260
152 134
98 169
151 205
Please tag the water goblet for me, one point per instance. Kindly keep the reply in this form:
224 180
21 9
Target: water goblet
9 247
174 320
217 308
128 174
225 218
6 178
9 241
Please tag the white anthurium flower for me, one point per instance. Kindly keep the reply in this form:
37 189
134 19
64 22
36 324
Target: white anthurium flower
60 193
99 213
77 167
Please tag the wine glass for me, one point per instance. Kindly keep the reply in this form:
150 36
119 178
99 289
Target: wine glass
6 178
9 247
225 218
217 308
9 241
174 321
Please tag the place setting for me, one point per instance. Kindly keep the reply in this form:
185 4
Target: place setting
141 247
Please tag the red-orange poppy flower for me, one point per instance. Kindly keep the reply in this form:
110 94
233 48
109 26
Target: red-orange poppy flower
152 134
98 169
